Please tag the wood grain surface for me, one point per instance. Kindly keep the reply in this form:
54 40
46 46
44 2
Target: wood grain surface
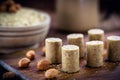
109 71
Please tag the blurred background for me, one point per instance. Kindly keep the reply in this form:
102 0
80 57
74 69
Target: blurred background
109 11
111 6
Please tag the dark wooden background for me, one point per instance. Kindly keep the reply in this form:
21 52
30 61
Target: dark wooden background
112 6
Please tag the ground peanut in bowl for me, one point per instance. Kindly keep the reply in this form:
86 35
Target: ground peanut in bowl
23 17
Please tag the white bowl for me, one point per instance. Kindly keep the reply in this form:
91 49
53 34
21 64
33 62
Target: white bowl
21 37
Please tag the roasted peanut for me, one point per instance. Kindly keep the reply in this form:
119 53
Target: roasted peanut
43 51
43 64
24 62
31 54
3 8
9 6
18 6
51 73
12 8
8 75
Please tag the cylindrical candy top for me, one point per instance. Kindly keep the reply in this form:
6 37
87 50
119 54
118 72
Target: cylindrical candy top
94 43
75 35
95 31
114 38
70 47
53 40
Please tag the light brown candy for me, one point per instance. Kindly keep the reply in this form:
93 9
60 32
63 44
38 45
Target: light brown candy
113 48
96 34
70 58
77 39
94 53
53 50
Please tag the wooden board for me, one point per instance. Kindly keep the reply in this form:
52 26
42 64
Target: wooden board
109 71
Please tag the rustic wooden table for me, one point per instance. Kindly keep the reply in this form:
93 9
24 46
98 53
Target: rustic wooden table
110 71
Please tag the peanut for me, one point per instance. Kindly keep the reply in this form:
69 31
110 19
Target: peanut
12 8
31 54
24 62
3 8
43 64
8 75
51 73
43 51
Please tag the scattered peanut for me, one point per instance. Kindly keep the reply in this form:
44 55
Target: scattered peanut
51 73
3 8
8 75
9 6
12 9
31 54
43 64
24 62
43 50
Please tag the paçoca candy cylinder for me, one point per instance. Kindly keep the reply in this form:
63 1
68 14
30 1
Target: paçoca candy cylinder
94 53
70 58
96 34
77 39
53 50
113 48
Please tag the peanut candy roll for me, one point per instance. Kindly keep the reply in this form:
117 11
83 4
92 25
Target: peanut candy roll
94 53
70 58
53 50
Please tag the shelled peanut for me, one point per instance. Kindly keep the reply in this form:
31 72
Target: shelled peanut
9 6
31 54
51 73
24 62
43 64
